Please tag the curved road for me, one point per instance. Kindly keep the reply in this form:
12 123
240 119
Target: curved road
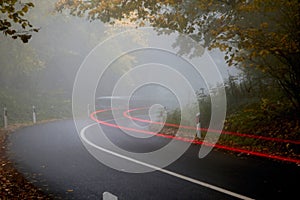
54 158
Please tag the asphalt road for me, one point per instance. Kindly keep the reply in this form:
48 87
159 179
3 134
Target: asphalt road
53 156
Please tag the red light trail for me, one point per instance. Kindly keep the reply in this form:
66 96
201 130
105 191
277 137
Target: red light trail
228 148
126 114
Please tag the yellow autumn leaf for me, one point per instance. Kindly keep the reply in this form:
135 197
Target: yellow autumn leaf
264 25
25 9
264 52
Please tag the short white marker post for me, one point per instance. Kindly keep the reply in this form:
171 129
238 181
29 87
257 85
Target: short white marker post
109 196
5 117
33 114
198 131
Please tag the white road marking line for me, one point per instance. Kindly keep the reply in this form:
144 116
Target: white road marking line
109 196
207 185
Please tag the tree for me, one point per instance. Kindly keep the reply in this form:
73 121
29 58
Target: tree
12 20
253 33
18 64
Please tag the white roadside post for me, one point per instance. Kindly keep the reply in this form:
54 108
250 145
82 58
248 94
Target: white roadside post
165 114
5 117
162 116
198 130
33 114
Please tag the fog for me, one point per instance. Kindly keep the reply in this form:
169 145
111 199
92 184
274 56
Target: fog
49 63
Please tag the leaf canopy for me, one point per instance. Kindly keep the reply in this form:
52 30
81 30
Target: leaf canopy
12 19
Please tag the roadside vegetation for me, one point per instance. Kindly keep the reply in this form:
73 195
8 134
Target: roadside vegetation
256 105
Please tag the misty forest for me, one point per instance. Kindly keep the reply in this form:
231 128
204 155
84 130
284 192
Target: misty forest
255 44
